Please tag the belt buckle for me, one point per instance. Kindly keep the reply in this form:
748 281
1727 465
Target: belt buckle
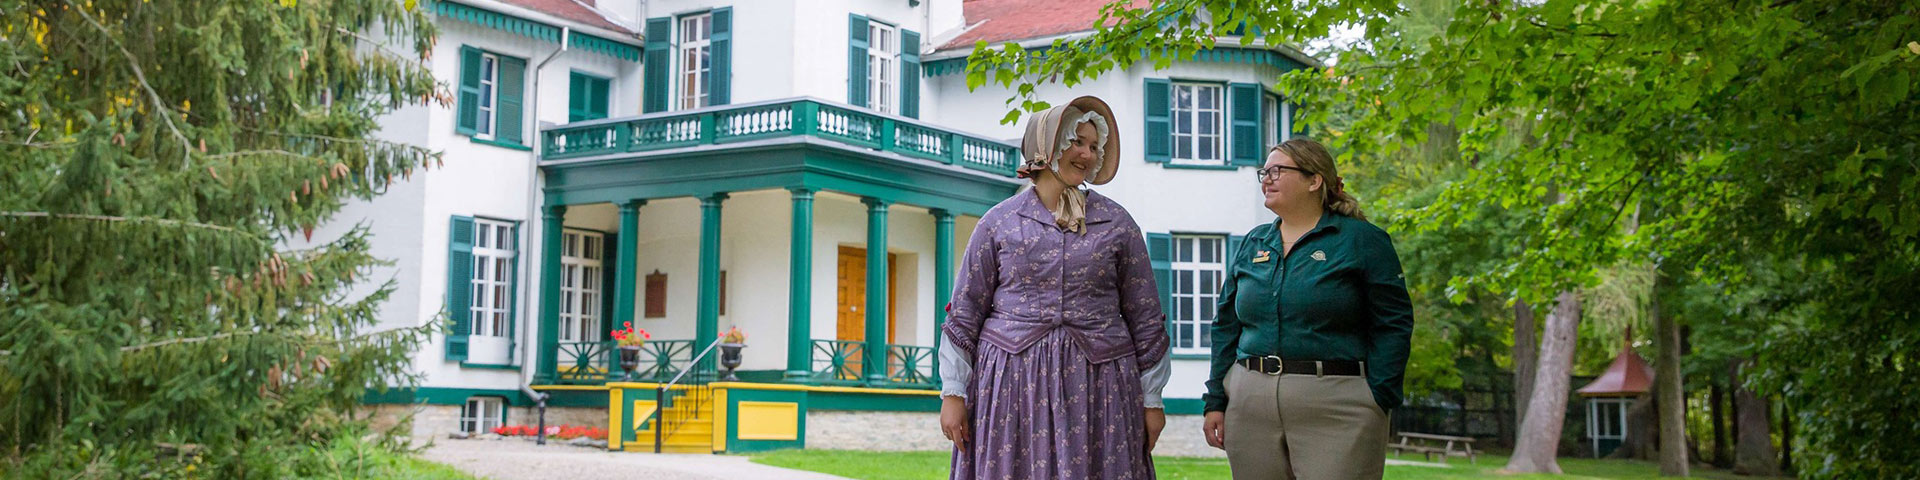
1280 367
1319 368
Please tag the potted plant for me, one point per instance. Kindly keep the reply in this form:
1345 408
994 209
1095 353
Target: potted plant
629 341
730 345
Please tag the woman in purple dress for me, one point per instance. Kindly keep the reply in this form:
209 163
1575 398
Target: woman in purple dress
1054 351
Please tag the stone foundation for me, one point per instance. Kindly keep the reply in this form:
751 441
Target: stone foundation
438 421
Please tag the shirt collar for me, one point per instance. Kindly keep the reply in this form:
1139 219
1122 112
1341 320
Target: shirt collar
1328 224
1099 208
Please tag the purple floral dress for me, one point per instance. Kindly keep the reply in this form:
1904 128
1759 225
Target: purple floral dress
1059 327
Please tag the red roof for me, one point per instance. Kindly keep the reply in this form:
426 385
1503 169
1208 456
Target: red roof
1628 376
570 10
1014 20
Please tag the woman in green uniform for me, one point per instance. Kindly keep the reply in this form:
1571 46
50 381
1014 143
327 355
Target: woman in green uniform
1311 339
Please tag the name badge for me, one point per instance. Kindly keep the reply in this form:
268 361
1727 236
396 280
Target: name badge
1262 256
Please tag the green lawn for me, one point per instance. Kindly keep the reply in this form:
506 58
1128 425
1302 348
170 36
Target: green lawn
933 466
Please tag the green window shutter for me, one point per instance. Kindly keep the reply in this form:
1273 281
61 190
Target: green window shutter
909 74
656 66
720 47
609 262
1244 101
469 101
586 97
857 60
459 286
1159 135
513 79
1160 253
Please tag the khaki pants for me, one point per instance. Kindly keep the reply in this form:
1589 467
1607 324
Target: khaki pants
1303 427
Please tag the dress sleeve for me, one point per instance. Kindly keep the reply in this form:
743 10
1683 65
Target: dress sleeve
1153 381
1140 299
972 300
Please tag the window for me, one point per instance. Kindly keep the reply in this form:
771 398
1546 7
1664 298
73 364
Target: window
883 49
482 414
1197 124
489 91
581 256
696 60
1199 265
1270 112
493 262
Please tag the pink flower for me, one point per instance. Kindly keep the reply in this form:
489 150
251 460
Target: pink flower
553 430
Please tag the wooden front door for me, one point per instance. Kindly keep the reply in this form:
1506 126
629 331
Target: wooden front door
852 294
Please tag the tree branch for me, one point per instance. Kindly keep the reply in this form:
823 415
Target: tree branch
166 114
106 218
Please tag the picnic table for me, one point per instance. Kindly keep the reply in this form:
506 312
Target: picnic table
1427 445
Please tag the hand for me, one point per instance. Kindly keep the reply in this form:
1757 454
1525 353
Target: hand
1215 429
953 420
1156 421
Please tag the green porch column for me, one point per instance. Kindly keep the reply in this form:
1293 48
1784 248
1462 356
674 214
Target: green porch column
552 221
942 279
876 354
707 317
800 289
625 260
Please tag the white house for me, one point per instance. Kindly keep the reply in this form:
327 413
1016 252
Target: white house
690 166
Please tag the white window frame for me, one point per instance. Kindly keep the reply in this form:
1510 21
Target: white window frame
1270 108
883 60
489 96
582 276
1190 268
1186 110
482 414
693 51
491 286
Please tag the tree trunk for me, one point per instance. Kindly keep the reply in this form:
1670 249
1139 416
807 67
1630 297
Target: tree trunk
1539 438
1643 431
1715 399
1526 354
1670 390
1786 436
1753 452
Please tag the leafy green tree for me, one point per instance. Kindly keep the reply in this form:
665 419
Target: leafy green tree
162 162
1774 131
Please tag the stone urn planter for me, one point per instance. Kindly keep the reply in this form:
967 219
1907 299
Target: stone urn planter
730 360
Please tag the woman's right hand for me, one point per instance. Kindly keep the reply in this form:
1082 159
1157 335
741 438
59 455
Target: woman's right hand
1215 429
953 420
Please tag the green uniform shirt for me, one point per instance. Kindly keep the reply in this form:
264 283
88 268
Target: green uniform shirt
1338 296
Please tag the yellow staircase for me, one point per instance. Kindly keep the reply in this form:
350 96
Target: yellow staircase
693 434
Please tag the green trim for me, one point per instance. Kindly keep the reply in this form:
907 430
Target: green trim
1191 356
533 29
501 144
552 224
1177 166
1219 54
577 398
488 366
441 396
790 165
1184 406
873 402
707 308
736 395
877 305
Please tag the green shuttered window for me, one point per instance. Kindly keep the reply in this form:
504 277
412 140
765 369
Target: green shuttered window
857 60
491 93
586 97
656 65
482 274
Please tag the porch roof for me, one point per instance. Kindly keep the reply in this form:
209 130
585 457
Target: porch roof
790 143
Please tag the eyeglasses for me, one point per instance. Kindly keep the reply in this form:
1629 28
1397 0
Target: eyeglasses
1273 172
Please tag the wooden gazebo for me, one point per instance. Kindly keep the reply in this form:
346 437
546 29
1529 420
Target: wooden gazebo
1609 396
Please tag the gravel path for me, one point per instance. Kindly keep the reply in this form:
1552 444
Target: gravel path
519 459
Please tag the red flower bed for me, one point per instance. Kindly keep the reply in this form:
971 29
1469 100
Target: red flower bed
563 432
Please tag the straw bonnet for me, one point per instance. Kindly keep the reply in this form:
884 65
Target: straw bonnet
1040 146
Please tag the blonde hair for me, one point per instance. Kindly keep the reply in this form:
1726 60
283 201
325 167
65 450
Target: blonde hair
1311 156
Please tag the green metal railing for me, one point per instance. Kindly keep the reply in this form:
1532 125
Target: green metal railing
839 362
599 362
779 118
910 365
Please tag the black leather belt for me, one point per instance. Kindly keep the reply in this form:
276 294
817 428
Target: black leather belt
1272 365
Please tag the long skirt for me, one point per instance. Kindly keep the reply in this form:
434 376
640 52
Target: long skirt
1047 413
